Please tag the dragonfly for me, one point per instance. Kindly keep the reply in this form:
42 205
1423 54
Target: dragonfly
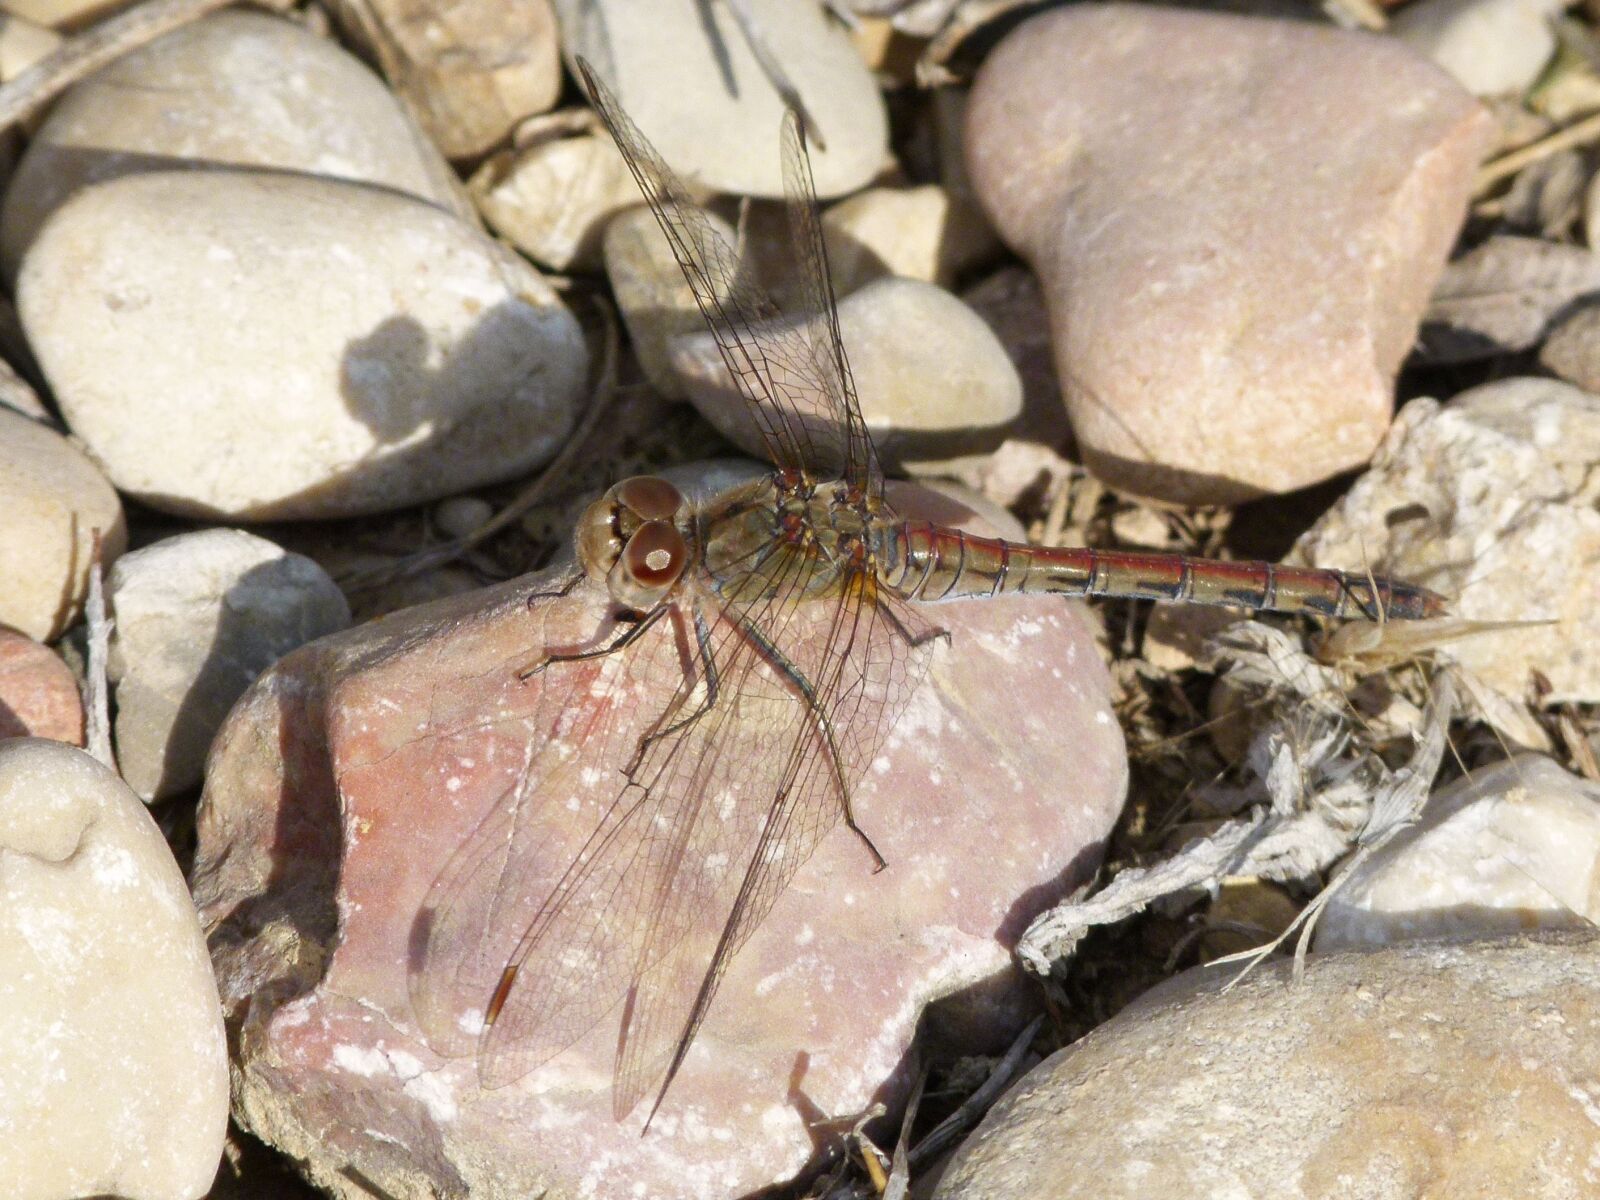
790 611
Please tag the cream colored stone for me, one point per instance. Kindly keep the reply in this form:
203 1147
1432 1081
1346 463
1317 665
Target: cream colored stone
22 43
295 347
113 1067
1494 47
685 73
52 502
919 233
235 89
1420 1070
935 384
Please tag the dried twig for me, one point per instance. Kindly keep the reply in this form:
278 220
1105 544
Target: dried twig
96 690
944 1134
1579 133
755 37
29 92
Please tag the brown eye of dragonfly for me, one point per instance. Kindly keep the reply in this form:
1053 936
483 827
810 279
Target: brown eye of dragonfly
655 554
652 498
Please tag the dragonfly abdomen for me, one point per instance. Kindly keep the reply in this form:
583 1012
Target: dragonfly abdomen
928 562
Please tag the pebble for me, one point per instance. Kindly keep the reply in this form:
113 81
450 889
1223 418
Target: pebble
295 347
1232 284
52 501
1011 304
22 43
1420 1069
836 974
935 385
1488 501
553 199
459 516
471 70
39 694
686 74
1572 350
922 233
1492 47
1509 848
235 89
198 617
654 298
112 1040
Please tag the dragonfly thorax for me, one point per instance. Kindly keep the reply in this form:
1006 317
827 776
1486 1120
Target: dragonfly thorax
630 539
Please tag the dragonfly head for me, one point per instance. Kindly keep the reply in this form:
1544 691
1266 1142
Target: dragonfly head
629 539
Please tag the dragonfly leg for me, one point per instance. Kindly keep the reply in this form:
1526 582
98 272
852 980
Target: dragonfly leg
708 667
780 663
557 593
913 637
617 643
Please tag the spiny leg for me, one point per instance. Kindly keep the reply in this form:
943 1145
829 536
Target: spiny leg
780 663
623 639
708 668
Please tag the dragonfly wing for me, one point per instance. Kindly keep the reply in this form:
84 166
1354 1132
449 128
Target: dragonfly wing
791 372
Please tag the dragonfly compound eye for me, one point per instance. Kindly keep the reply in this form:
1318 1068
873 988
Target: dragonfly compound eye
652 498
650 564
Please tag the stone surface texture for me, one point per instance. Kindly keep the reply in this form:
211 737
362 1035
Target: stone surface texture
52 502
294 347
113 1067
235 89
39 694
1488 500
348 776
685 73
935 384
1511 847
1227 322
1419 1070
198 617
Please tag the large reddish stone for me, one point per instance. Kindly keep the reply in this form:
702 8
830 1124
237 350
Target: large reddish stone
349 774
39 694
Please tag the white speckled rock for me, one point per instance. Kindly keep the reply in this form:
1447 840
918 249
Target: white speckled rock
52 500
234 89
1488 500
198 617
1511 847
817 1008
1420 1070
684 72
1493 47
1236 242
552 200
935 384
113 1067
294 347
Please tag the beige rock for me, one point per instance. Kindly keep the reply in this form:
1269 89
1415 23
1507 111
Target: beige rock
22 43
655 300
1488 500
112 1050
423 724
553 200
39 694
685 73
198 617
52 502
919 233
934 383
1511 847
63 13
1420 1070
1572 350
295 347
1232 278
469 70
1492 46
183 101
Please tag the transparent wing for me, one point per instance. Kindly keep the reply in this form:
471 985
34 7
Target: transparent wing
710 819
791 369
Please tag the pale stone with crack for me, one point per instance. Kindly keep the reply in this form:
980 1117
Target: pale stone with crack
1511 847
349 775
294 347
113 1067
196 618
1235 242
1417 1070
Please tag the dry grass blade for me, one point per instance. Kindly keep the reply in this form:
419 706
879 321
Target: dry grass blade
96 689
31 91
1579 133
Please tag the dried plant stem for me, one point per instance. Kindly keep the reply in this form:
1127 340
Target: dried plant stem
1507 165
29 92
96 689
